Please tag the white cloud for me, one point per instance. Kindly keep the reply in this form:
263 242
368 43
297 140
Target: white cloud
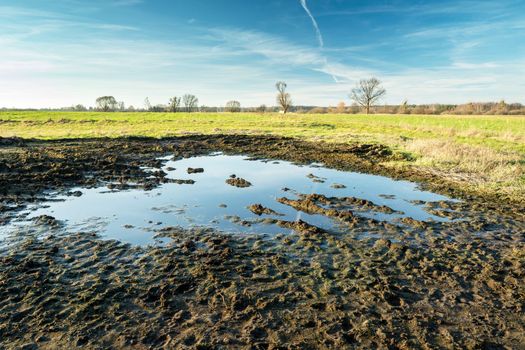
314 23
221 64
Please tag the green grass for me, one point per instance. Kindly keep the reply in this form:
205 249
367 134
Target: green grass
486 153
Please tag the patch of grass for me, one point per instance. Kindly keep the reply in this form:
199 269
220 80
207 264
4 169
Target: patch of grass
482 153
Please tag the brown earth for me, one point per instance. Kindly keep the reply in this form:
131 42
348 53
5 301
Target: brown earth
404 285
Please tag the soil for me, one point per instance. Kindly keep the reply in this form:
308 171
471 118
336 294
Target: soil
238 182
259 209
195 170
402 285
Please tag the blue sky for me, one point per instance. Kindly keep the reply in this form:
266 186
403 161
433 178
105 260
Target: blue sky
63 52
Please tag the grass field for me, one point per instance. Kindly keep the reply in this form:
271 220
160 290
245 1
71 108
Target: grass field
485 154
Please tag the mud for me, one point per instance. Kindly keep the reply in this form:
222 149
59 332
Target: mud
238 182
182 182
338 186
402 285
315 178
307 202
258 209
27 167
195 170
211 290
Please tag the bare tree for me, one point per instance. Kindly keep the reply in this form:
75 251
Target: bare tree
174 104
367 92
121 106
191 102
233 106
106 103
147 104
283 98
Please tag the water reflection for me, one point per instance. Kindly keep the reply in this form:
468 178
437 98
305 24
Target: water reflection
133 215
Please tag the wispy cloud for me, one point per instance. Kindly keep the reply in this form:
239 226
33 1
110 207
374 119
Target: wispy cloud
14 11
116 27
314 22
276 49
45 54
429 9
126 2
319 37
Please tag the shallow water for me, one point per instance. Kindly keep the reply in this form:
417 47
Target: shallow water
132 216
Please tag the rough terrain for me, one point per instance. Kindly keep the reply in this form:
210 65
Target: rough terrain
401 285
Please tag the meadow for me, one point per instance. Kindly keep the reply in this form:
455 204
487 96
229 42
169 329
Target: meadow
484 154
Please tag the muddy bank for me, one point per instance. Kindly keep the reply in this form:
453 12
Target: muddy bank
27 167
401 285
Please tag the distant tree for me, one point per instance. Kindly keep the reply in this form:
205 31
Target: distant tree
261 109
283 98
106 103
341 107
367 92
502 107
318 110
80 107
174 104
159 108
131 108
121 106
190 102
147 104
233 106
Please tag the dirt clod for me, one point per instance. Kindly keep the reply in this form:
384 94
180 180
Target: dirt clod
238 182
195 170
258 209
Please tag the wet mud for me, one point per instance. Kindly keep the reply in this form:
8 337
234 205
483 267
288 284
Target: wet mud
238 182
259 209
405 284
195 170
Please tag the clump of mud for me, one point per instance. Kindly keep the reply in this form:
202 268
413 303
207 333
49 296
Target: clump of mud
238 182
299 226
46 220
182 181
259 209
338 208
195 170
338 186
315 178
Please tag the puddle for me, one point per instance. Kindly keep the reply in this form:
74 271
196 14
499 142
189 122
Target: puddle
133 216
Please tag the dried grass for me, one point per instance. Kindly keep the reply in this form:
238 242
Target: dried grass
475 163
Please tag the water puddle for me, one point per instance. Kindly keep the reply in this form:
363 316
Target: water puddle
133 216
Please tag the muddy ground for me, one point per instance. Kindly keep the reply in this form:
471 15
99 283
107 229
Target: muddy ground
405 285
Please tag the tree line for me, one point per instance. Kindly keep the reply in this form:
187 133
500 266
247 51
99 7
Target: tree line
365 97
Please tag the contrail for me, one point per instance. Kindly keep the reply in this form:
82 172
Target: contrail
318 32
314 22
